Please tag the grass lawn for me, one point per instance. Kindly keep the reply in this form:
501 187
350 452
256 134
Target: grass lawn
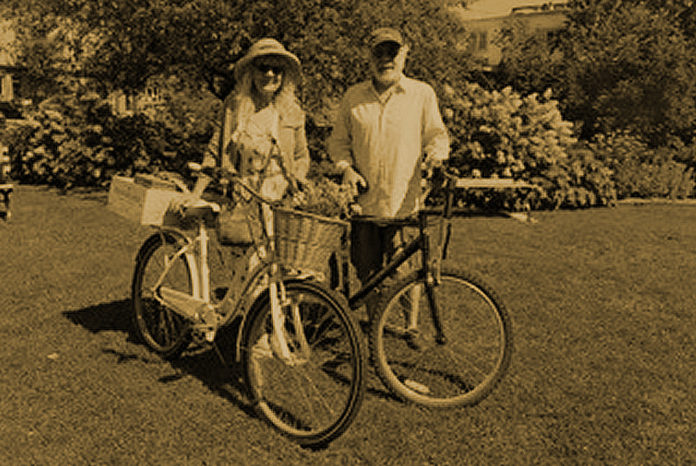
603 305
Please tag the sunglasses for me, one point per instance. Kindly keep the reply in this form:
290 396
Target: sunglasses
386 50
265 68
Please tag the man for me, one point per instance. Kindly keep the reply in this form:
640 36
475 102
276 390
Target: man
386 128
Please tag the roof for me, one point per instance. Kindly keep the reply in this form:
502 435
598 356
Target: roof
484 9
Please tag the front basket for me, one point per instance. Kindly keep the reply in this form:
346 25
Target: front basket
305 241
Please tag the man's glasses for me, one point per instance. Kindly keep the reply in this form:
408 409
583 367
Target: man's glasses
266 67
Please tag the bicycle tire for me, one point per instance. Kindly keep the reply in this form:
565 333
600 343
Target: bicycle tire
164 331
315 401
461 371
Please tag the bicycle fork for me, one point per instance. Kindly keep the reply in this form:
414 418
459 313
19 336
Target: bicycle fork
279 301
280 344
431 278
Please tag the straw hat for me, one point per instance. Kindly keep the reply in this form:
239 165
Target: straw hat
265 47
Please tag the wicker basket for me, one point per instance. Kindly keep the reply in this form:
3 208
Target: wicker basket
306 241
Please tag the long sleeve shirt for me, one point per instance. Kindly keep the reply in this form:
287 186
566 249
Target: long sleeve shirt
386 138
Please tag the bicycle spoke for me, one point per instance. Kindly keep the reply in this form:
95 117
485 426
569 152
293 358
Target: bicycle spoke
318 394
301 387
463 362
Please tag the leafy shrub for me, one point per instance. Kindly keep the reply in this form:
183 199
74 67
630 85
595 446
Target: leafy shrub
76 140
583 180
16 138
641 171
505 134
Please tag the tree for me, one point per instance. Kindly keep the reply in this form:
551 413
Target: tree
123 43
531 62
616 65
629 66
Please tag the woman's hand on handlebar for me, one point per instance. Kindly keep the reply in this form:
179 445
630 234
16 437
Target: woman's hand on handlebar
205 174
210 171
184 201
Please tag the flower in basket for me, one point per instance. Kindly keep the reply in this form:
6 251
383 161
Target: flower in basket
322 196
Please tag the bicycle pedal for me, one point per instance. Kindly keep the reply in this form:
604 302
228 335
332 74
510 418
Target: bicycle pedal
203 334
413 339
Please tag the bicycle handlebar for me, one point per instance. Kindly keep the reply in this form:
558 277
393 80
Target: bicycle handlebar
220 174
451 182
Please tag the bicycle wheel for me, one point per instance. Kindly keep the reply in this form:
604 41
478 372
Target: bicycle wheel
161 329
464 368
314 398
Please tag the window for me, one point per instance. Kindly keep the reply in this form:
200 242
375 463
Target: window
482 40
478 41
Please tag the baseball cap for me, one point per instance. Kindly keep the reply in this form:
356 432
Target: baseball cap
385 35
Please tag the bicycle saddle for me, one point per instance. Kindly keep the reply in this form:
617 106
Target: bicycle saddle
200 210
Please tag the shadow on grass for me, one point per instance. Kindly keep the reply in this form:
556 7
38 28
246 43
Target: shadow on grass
222 378
113 316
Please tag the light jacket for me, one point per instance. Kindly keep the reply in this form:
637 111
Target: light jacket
292 140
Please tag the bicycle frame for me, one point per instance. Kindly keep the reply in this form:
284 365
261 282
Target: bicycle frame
197 306
421 242
429 271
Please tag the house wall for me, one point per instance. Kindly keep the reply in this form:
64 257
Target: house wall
484 33
7 61
6 87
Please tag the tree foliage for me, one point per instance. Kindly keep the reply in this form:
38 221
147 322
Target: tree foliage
124 43
629 66
617 65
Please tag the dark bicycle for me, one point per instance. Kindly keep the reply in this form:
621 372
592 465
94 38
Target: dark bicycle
439 337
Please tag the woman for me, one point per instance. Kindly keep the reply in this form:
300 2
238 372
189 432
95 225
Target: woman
262 133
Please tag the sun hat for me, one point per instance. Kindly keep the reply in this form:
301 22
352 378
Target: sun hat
385 35
265 47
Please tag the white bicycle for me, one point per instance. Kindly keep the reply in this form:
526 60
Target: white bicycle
303 362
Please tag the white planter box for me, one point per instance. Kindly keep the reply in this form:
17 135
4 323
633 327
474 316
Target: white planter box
142 204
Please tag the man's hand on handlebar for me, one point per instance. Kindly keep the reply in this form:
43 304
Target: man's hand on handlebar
357 183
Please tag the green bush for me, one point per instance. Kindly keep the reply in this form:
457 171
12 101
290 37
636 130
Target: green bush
615 65
75 140
505 134
641 171
16 138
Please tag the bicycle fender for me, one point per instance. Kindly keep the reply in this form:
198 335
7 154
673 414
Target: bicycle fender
159 235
